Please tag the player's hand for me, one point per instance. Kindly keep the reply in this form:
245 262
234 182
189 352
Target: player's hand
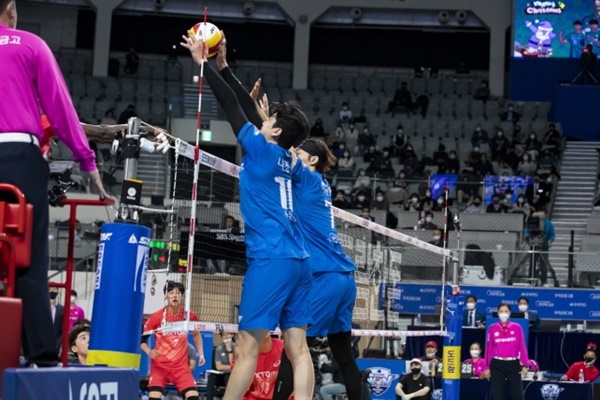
196 47
262 106
486 374
201 360
154 354
222 53
255 89
524 372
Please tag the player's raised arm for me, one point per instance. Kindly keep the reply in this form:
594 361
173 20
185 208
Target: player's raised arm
226 96
246 102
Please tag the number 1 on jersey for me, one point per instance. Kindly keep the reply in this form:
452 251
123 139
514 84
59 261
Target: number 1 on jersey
329 205
285 193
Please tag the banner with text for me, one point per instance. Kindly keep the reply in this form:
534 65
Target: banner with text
550 303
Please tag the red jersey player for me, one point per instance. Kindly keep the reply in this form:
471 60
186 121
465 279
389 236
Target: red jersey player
170 354
584 370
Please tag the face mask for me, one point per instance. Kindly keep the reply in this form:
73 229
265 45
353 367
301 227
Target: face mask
53 295
347 155
361 198
510 108
428 194
478 128
471 306
73 299
521 200
227 340
414 200
523 307
400 131
440 201
549 180
532 137
379 198
409 149
508 196
589 360
342 147
503 317
345 108
385 154
402 175
475 353
351 126
362 173
452 156
430 355
437 237
499 134
476 149
415 371
428 219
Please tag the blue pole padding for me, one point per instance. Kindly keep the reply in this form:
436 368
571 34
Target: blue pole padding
451 363
120 286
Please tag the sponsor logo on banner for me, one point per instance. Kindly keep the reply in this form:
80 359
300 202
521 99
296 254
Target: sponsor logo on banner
595 296
544 303
380 379
594 313
132 239
99 265
141 266
563 295
529 294
95 391
551 391
105 237
495 293
438 394
207 159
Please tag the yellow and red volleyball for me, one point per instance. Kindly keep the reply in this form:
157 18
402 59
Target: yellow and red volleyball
210 34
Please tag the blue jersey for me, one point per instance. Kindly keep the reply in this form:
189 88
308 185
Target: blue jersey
266 200
577 41
312 206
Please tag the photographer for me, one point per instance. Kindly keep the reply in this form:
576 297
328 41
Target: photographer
540 233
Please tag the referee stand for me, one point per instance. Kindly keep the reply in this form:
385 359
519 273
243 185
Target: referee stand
16 219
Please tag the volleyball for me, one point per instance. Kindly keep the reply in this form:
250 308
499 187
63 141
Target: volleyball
213 36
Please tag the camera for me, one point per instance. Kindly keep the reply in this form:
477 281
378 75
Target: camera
535 225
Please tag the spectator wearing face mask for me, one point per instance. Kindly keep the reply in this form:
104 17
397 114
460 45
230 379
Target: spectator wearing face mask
338 136
430 357
346 162
530 315
414 385
479 136
521 206
370 154
474 157
412 164
511 159
362 182
584 369
507 200
427 223
382 165
483 92
397 193
437 238
467 187
340 150
479 365
57 311
352 132
553 139
538 193
427 201
533 145
476 206
413 203
361 201
380 202
496 207
345 113
76 313
506 351
526 166
499 145
472 317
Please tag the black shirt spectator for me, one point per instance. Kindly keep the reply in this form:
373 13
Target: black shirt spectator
510 115
366 138
371 154
381 164
496 207
498 145
484 167
440 156
480 136
317 130
380 202
402 98
340 201
483 92
132 62
452 165
126 114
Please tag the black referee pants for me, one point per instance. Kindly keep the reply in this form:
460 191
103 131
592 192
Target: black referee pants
22 165
503 373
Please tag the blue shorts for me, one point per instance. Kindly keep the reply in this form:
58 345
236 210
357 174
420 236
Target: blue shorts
332 296
275 291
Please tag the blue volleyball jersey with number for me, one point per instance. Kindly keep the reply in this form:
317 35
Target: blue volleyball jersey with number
266 202
312 207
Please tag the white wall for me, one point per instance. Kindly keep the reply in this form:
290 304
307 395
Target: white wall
58 24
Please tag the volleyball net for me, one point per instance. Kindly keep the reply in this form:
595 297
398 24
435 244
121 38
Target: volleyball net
383 256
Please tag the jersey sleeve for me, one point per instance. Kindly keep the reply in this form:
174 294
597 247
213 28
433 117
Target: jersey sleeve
252 141
300 173
152 322
572 373
193 316
58 107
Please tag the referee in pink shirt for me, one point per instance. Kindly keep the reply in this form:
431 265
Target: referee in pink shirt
506 351
31 82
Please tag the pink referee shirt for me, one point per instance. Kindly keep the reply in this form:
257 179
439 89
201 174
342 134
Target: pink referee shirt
31 80
506 341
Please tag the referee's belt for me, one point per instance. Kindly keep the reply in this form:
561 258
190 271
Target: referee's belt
18 137
506 358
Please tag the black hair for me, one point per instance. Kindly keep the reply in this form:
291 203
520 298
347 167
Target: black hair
477 343
593 22
471 297
73 292
577 22
504 305
170 285
293 123
523 298
317 147
75 331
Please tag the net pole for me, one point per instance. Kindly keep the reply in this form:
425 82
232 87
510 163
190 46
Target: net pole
191 239
444 259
